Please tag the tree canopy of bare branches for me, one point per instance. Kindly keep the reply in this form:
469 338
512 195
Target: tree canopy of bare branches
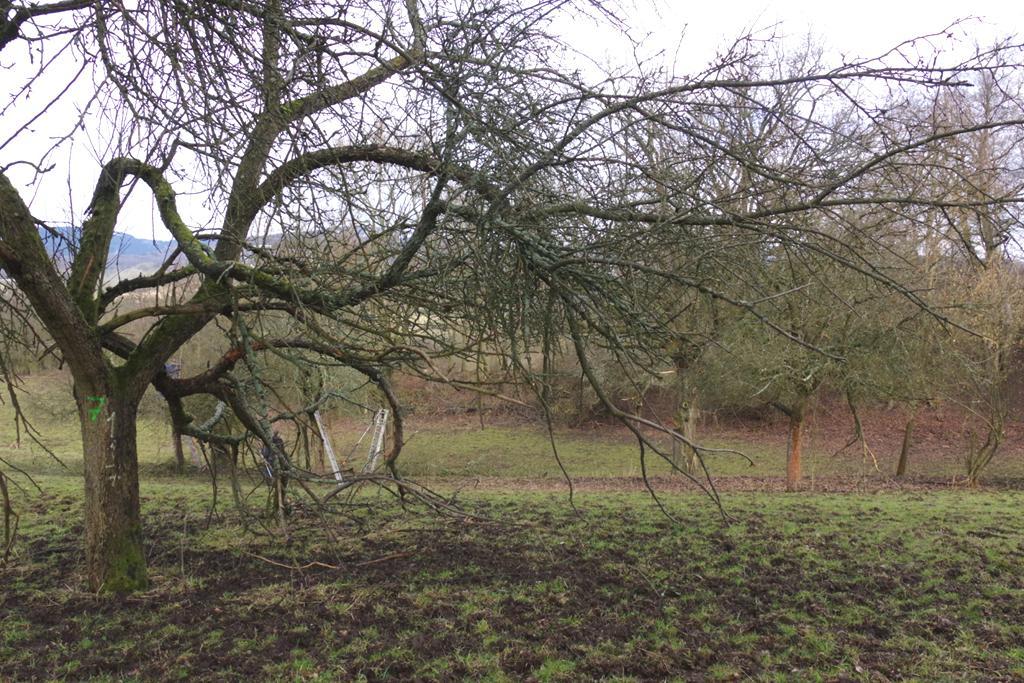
435 177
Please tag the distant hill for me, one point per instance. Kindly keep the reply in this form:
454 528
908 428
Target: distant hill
129 256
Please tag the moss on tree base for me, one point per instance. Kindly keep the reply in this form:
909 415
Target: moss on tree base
125 570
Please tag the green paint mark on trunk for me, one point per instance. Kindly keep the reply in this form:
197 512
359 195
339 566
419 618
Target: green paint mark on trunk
95 411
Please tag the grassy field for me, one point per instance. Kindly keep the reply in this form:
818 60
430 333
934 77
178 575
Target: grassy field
525 451
922 586
446 450
907 582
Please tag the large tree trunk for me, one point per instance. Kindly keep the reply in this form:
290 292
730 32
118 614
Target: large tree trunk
114 555
796 430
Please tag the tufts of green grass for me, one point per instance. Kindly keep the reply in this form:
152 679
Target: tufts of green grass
814 587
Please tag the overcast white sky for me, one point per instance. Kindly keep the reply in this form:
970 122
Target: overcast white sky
683 33
862 28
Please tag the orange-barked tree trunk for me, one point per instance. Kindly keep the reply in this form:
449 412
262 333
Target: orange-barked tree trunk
908 440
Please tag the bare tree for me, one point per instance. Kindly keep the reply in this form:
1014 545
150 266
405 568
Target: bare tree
437 179
974 244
